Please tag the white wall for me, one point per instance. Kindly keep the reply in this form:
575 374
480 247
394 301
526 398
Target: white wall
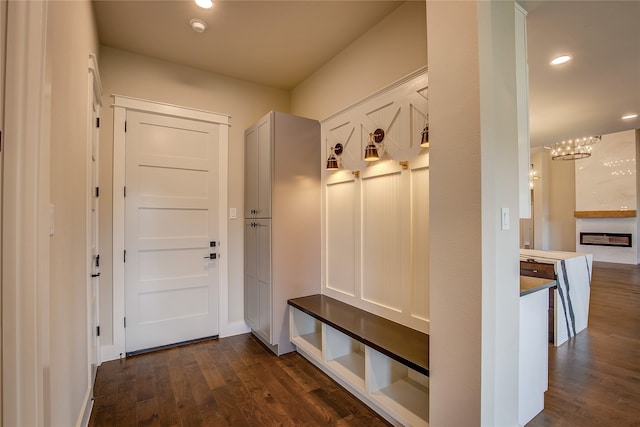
142 77
390 50
473 174
71 36
554 202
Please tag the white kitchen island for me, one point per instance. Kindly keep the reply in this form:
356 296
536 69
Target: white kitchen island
533 346
572 293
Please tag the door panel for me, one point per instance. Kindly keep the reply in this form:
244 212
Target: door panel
171 288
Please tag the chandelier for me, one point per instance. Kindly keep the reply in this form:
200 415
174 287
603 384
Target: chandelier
573 149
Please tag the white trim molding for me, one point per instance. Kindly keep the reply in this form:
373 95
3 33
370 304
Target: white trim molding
25 205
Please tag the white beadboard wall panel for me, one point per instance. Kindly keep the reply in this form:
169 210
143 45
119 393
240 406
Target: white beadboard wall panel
420 242
375 215
381 241
340 232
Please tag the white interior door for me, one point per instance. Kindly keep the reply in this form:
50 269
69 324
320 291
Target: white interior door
171 283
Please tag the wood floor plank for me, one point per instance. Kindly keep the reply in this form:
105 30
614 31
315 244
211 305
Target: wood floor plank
167 405
187 407
206 403
147 413
251 410
207 364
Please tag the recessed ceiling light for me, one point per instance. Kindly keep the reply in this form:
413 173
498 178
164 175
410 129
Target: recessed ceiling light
198 25
560 60
205 4
629 116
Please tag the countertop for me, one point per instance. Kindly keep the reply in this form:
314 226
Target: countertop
529 285
553 256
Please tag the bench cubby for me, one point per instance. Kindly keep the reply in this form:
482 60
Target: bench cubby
400 389
346 356
306 332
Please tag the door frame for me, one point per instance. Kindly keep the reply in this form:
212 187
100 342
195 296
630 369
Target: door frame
94 102
121 105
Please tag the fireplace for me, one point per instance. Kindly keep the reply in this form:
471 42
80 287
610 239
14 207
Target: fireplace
622 240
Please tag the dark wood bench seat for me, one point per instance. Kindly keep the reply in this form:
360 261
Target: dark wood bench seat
401 343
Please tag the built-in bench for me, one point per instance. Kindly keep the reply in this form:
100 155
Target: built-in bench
385 364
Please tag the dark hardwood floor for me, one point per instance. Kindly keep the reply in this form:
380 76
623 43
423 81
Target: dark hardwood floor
594 378
233 381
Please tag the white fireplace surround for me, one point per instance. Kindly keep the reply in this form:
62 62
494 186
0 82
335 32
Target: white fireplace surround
606 181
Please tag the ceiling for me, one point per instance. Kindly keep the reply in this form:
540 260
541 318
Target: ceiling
280 43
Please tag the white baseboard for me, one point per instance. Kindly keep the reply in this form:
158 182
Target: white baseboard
87 405
235 328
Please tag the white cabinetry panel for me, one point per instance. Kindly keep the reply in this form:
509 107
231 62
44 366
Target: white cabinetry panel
282 214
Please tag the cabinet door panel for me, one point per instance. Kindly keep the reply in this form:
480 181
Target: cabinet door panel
263 230
264 310
264 169
251 172
250 275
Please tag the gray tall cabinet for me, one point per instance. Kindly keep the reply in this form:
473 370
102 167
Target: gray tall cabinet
282 222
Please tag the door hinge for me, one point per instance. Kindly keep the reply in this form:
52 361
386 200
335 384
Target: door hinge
125 322
97 331
125 125
97 191
98 260
97 122
125 191
125 255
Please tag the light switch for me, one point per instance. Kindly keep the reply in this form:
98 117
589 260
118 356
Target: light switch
505 223
233 213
